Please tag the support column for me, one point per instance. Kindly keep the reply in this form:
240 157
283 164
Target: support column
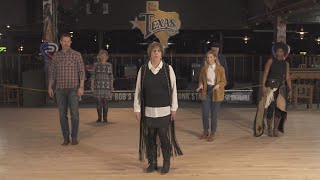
49 21
221 42
100 40
280 29
49 36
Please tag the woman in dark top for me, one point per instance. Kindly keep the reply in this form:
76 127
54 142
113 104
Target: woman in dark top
276 77
102 84
155 106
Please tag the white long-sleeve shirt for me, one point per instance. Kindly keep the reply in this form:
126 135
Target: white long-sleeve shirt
211 76
158 111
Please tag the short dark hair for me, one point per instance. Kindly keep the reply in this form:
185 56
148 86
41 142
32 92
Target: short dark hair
281 45
215 44
65 35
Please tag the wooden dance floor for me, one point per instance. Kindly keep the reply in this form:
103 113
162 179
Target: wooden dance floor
30 147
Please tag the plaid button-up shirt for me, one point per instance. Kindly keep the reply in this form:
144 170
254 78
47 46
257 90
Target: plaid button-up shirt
67 69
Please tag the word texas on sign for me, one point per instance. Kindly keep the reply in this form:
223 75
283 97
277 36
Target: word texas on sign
156 22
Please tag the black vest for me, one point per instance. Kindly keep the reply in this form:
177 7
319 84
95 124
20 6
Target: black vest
277 70
156 88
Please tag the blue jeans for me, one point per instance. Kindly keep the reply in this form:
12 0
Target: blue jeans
207 106
68 98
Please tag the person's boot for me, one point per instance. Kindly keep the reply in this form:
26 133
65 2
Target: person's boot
166 166
99 111
105 114
166 151
152 158
276 127
205 134
269 123
74 141
153 166
65 142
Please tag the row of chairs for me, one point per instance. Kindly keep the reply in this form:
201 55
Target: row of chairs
10 93
305 89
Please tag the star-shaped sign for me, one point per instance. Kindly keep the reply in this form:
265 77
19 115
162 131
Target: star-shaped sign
156 22
134 23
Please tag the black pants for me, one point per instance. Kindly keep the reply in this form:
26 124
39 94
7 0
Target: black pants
273 109
152 143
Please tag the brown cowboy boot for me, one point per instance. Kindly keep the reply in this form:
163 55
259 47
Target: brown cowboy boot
205 134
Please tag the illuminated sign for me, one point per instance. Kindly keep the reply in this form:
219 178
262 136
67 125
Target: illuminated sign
48 49
159 23
3 49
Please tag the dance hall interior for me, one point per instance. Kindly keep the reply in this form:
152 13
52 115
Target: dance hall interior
167 89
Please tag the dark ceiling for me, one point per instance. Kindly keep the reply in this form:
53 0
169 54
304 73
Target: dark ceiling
235 18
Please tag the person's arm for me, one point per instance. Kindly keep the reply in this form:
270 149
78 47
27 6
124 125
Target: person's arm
111 77
200 84
81 75
137 95
223 78
174 96
288 80
52 76
173 80
265 75
93 77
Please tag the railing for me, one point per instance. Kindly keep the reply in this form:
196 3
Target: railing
12 66
242 68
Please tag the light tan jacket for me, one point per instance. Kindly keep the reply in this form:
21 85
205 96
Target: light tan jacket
218 95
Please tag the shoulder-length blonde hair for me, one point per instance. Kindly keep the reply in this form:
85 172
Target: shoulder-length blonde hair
102 51
152 46
214 54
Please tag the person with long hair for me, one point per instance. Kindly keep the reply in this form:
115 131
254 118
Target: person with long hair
212 82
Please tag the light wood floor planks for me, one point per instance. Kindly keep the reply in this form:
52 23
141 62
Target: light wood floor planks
30 147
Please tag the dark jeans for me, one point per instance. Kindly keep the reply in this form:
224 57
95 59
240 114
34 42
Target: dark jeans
207 106
68 98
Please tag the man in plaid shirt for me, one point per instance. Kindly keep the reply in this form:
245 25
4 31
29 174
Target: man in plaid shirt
67 72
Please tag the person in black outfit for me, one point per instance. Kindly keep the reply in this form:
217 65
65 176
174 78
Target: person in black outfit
276 79
155 106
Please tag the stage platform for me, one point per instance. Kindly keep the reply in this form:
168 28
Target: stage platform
30 147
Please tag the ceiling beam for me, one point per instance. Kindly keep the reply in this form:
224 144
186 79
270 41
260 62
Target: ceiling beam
291 8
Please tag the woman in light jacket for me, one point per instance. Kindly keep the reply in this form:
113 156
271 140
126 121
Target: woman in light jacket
212 81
